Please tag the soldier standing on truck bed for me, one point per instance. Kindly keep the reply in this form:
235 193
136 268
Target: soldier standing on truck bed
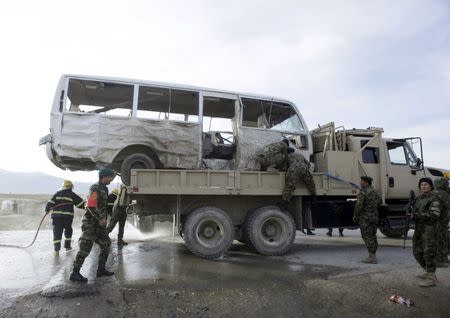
366 215
441 188
426 213
61 204
94 227
118 214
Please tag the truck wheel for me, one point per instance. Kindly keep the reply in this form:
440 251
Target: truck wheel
245 239
135 161
270 231
392 233
208 232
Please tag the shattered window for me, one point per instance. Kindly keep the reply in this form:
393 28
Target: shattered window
270 115
218 114
89 96
170 104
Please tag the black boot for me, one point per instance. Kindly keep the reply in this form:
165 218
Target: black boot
330 232
120 241
309 232
75 276
102 271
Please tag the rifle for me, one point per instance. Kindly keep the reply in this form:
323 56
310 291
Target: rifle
408 215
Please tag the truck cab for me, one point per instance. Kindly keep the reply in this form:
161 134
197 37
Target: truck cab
396 166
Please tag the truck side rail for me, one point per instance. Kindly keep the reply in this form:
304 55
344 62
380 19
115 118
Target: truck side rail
214 182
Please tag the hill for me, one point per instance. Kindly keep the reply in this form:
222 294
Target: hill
34 183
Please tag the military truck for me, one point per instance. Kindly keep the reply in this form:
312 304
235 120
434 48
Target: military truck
190 151
213 208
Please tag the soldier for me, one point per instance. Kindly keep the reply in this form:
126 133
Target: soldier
61 205
297 169
441 188
273 154
366 215
279 155
94 227
119 214
426 213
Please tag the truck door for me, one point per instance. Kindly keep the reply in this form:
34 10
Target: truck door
403 168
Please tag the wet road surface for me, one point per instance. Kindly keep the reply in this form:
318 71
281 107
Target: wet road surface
157 276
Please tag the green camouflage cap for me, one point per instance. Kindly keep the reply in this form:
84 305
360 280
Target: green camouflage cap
106 172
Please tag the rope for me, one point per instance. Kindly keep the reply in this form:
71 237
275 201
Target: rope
329 175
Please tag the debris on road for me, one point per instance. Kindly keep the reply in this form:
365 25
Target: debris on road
401 300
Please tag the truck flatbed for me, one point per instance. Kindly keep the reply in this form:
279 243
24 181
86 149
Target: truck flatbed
213 182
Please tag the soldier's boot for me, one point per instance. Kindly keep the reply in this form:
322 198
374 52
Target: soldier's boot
429 281
102 271
121 242
371 259
330 232
422 276
75 276
309 232
56 253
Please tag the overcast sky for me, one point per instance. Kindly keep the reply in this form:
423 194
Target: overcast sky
357 63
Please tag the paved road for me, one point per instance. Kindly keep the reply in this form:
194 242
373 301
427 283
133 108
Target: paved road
156 274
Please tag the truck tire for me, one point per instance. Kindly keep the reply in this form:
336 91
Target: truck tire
270 231
208 232
135 161
244 238
391 233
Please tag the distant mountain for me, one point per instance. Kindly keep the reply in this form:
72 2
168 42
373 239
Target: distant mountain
34 183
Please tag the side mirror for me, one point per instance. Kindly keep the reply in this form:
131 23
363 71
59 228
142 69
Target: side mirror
419 163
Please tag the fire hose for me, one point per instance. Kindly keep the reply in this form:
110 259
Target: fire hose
37 231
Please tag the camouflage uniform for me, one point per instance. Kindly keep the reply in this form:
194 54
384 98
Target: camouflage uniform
441 188
92 230
298 169
426 213
366 215
118 214
273 155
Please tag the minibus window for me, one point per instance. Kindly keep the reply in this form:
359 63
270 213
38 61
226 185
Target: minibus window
99 97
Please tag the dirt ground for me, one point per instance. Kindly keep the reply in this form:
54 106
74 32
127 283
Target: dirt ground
156 276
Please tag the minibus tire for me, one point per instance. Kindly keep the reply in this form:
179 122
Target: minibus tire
135 161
